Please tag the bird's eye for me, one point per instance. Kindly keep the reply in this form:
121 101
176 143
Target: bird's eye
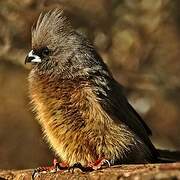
45 51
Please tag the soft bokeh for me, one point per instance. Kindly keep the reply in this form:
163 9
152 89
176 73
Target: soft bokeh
138 39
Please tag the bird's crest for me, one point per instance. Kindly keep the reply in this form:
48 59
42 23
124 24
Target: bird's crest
49 26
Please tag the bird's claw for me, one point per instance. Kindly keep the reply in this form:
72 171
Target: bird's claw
57 167
99 164
79 166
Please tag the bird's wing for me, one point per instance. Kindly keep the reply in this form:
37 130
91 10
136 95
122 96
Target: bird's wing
111 97
117 107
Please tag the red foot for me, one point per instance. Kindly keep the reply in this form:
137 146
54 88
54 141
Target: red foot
60 166
99 163
57 167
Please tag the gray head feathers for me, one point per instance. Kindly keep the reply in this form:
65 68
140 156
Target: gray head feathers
69 53
50 27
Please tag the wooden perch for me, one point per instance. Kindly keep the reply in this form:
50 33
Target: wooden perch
121 172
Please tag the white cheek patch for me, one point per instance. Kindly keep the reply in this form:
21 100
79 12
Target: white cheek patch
36 58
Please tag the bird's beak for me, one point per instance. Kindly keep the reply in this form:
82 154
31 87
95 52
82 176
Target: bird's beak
32 58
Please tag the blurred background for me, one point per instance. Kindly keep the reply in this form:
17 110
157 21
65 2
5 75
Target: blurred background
138 39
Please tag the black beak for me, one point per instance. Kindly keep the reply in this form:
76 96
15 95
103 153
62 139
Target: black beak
28 59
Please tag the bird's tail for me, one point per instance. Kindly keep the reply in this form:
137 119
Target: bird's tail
166 156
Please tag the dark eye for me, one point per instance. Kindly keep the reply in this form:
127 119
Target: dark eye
45 51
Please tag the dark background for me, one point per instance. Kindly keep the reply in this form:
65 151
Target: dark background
138 39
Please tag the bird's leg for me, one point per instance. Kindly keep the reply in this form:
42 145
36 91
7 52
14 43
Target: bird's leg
99 163
57 167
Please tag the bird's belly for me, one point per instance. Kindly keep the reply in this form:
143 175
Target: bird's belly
87 146
101 137
72 147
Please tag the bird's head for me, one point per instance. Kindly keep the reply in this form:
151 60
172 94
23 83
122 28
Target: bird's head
52 43
59 51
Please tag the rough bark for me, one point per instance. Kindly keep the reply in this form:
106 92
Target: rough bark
121 172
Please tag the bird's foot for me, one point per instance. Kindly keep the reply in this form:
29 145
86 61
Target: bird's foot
91 166
99 164
80 167
57 167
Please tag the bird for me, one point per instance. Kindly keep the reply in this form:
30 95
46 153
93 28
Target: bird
82 109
